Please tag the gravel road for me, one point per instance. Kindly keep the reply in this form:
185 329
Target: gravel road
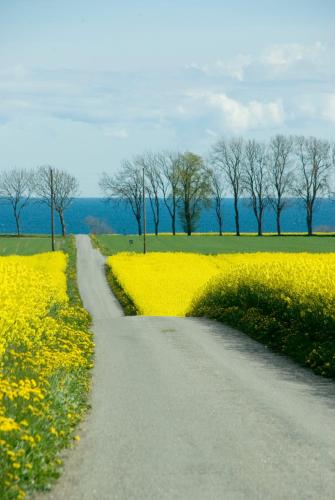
185 408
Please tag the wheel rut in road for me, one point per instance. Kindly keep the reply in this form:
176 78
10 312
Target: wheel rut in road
187 408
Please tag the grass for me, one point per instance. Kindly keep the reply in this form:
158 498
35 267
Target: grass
69 246
29 245
125 301
214 244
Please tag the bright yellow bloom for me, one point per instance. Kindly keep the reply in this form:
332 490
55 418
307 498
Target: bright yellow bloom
166 284
163 284
8 424
41 344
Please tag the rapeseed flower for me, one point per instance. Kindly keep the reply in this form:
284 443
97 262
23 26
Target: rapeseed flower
45 355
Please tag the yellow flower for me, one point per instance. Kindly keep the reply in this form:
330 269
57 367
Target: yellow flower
8 424
40 346
167 284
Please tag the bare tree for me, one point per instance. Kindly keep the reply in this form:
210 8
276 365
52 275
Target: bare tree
16 188
150 163
193 190
332 176
313 165
169 180
65 189
126 185
280 174
255 179
228 156
217 191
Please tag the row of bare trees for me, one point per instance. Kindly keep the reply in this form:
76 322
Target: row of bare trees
271 174
181 180
18 186
274 173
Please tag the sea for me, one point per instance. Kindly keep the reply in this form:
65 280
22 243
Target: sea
116 216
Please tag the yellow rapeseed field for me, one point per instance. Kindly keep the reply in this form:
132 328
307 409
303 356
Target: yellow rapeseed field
162 283
43 351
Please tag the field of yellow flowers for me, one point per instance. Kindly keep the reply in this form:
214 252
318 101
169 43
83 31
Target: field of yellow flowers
45 357
287 301
164 284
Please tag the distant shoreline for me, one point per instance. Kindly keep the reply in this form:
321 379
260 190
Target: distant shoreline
116 217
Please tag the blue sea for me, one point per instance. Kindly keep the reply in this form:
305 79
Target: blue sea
118 217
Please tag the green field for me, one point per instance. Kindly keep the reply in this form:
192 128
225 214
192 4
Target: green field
28 245
207 244
213 244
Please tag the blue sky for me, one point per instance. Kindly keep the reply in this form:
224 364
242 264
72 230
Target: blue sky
85 84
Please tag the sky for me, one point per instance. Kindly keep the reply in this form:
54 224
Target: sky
85 84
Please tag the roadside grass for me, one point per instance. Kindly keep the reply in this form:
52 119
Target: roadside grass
29 245
127 304
286 305
214 244
36 428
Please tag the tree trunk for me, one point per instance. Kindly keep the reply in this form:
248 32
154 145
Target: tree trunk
188 218
174 212
62 223
220 226
309 220
278 222
173 218
157 217
259 226
139 226
260 221
188 225
237 219
17 222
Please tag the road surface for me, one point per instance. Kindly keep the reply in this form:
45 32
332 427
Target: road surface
185 408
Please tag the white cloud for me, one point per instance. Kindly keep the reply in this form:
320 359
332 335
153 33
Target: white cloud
197 67
233 68
238 116
210 132
308 108
329 110
181 109
17 71
236 67
95 98
11 105
273 60
117 133
316 109
285 55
